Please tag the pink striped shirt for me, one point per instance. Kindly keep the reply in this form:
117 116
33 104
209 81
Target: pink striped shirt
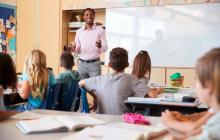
85 41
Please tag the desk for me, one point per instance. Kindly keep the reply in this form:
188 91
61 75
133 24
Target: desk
12 98
8 130
155 108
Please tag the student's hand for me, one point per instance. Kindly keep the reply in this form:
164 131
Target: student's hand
98 44
154 92
93 105
167 118
82 83
179 116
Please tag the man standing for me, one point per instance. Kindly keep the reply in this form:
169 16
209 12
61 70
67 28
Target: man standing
90 42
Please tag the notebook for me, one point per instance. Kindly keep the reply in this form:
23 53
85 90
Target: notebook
58 123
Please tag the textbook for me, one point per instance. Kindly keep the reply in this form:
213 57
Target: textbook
58 123
118 131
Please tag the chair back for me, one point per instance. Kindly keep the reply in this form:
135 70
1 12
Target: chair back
85 105
58 97
53 99
71 98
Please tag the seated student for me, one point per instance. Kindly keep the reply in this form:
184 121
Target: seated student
113 89
142 71
208 91
8 76
67 75
35 80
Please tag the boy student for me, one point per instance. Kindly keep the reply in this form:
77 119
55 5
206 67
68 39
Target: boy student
67 75
113 89
90 42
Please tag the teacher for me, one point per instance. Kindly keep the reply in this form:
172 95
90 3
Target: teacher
89 43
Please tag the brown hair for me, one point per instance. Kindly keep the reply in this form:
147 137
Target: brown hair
67 60
7 71
142 65
118 59
208 70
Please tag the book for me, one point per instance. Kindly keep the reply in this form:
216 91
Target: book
117 131
170 89
58 123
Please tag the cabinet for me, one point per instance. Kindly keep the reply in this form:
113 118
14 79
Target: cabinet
72 21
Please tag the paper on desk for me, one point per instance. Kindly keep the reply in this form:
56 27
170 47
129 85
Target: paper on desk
145 100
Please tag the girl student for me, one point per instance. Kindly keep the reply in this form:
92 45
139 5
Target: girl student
35 80
142 71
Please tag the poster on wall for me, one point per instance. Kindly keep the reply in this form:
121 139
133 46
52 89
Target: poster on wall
8 29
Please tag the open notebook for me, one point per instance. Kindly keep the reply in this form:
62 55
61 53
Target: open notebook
56 124
118 131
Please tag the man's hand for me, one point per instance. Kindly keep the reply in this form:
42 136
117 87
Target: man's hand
73 46
98 44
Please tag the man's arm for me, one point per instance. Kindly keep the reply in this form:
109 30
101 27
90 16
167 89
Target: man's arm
75 45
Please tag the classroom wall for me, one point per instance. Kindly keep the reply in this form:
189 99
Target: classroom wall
9 2
38 29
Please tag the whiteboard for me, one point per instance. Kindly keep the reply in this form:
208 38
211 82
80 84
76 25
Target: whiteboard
173 35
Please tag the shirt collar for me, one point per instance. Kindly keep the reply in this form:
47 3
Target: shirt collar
93 27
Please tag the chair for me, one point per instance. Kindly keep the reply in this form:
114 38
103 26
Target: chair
71 98
53 99
85 105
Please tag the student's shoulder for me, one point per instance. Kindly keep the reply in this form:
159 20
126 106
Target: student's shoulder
140 81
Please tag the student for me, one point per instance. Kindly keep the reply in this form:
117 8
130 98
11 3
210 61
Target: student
142 71
113 89
35 80
67 75
8 76
208 91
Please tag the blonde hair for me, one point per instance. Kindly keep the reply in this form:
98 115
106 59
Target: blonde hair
35 67
208 70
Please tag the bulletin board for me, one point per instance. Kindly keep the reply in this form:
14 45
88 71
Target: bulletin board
8 30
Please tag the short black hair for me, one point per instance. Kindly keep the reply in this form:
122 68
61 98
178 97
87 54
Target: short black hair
8 75
118 59
88 9
67 60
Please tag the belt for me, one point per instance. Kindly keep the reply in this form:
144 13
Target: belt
89 61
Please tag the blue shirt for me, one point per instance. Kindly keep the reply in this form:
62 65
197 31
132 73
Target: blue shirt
36 102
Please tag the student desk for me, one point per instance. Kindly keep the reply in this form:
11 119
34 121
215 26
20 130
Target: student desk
12 97
155 108
9 131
